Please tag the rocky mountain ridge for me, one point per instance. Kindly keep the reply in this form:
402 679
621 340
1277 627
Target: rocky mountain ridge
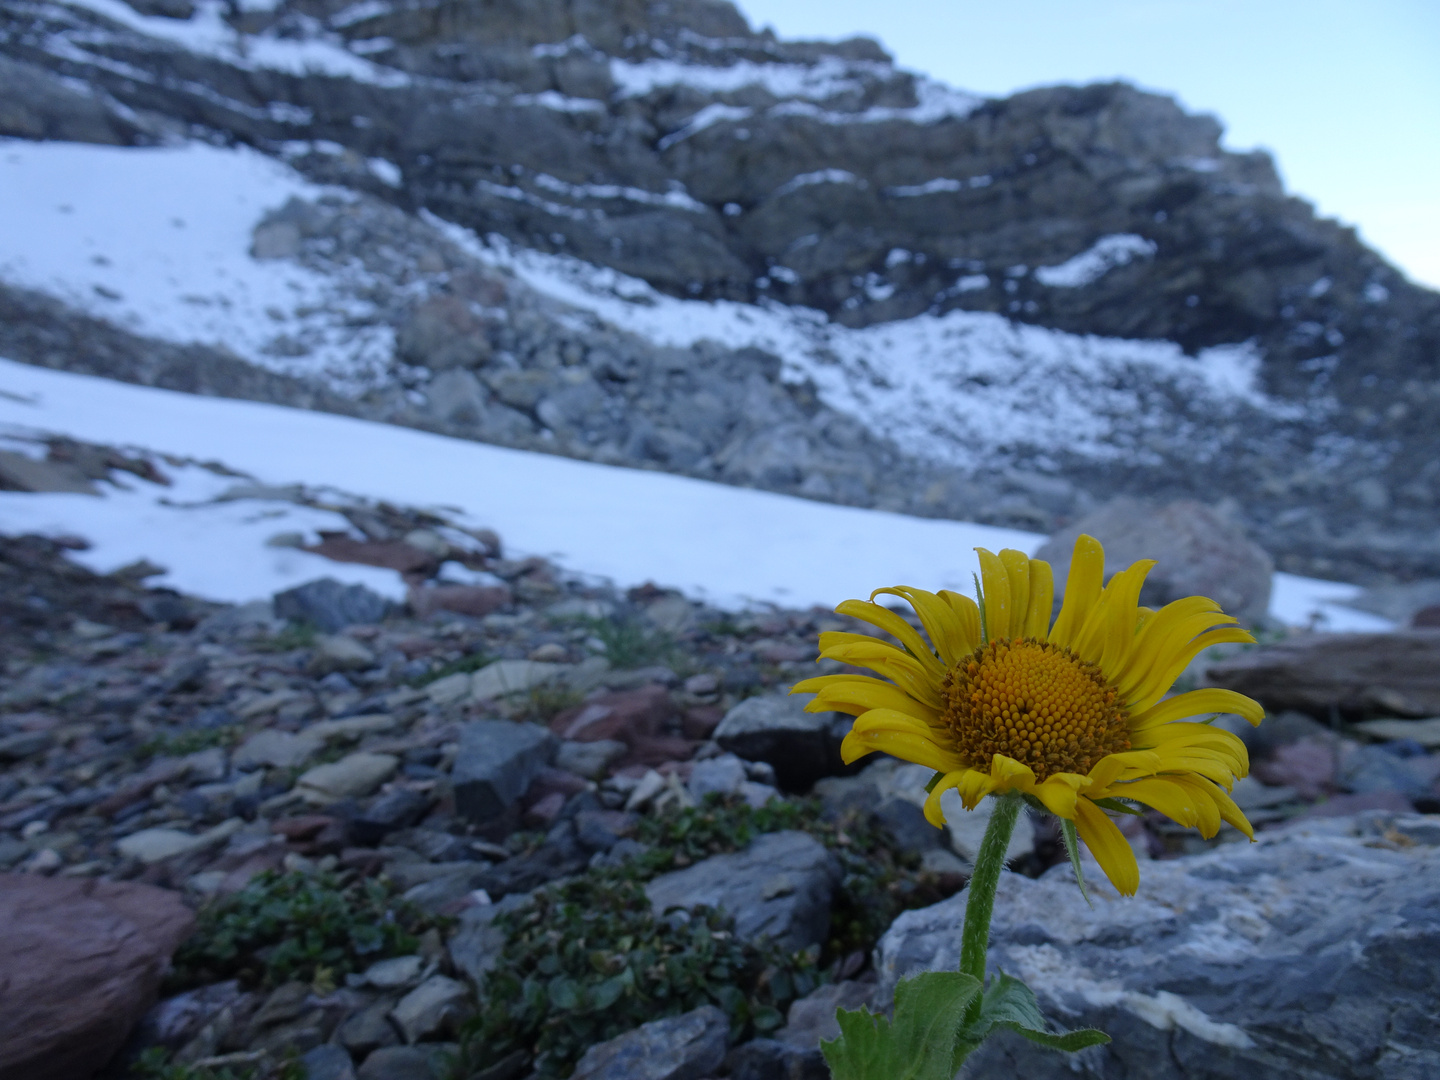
790 265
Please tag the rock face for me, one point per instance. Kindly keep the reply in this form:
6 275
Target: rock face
1312 954
1396 674
800 746
686 1047
704 160
1197 552
779 887
80 962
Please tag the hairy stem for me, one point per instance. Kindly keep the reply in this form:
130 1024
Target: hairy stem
983 883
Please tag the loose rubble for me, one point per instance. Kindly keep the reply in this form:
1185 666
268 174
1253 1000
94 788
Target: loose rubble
574 761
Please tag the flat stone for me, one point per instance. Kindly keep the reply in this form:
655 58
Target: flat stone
450 689
512 677
435 1005
589 759
351 727
339 652
350 777
1426 732
723 775
159 844
24 744
397 1063
395 972
811 1019
279 749
495 763
1358 674
800 746
327 1062
686 1047
779 887
81 962
1312 953
617 715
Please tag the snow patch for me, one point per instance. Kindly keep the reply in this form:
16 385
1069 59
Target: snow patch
706 117
157 240
1091 265
822 176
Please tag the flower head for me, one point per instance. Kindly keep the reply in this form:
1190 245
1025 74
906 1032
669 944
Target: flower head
1072 714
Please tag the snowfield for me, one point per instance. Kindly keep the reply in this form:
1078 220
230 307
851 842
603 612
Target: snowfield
731 546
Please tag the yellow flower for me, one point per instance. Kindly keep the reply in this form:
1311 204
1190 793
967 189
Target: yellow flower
1000 700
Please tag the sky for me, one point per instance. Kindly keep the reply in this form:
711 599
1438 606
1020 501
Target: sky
1344 93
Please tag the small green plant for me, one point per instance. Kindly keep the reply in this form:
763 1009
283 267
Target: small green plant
629 643
298 926
155 1064
294 635
588 960
542 703
464 666
180 743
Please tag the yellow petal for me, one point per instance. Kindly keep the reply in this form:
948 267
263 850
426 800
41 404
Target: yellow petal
968 612
1042 597
855 694
974 786
1058 793
1109 846
895 720
1198 703
1164 629
1175 801
1112 767
933 812
899 667
896 627
1229 811
995 587
1162 678
942 623
1082 589
901 744
1017 569
1110 632
1010 774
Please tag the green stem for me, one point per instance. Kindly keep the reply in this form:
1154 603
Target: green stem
983 883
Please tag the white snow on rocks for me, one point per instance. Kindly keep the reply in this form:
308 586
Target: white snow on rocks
158 240
206 33
1096 261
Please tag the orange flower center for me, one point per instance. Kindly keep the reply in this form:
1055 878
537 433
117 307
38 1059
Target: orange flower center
1035 702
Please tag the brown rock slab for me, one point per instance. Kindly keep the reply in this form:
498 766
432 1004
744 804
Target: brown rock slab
622 714
80 962
474 600
1396 674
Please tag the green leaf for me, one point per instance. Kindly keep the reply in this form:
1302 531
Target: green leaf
1072 848
1010 1004
919 1045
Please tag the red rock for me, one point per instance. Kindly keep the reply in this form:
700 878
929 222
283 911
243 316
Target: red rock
701 721
301 828
554 782
80 962
1308 766
656 750
625 715
543 812
392 555
160 771
474 600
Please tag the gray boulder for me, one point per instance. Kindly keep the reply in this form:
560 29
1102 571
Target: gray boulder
1199 553
327 604
1312 954
494 765
779 887
801 747
1396 674
686 1047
